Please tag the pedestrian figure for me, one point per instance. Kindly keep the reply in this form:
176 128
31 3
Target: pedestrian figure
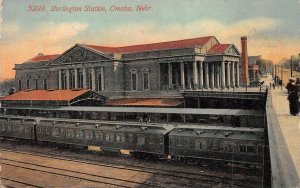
270 85
274 85
293 97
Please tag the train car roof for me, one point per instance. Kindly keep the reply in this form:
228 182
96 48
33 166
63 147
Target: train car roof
239 133
108 126
207 111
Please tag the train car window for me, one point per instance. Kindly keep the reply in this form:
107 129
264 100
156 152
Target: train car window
140 139
251 149
130 138
47 131
229 146
79 134
55 132
26 129
99 136
62 131
120 138
109 137
9 128
39 130
151 139
200 145
171 141
161 140
243 148
89 135
177 142
187 142
70 133
2 127
21 128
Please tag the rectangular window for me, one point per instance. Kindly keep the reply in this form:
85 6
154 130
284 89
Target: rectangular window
171 141
120 138
251 149
130 138
70 133
200 145
39 130
89 135
109 137
99 136
243 149
134 81
146 81
79 134
47 131
55 132
141 140
2 127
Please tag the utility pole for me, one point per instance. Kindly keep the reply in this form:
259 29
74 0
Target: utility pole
281 76
291 67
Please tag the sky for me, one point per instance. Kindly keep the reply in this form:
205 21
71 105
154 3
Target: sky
29 27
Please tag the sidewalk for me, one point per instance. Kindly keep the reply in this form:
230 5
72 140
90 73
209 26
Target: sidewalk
290 125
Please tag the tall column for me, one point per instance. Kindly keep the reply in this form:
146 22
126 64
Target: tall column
188 76
206 76
223 74
237 74
228 74
93 78
102 78
59 79
217 75
212 76
84 77
170 75
68 79
232 74
76 78
182 75
200 74
195 75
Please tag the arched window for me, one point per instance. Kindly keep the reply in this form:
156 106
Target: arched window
45 83
20 85
134 80
36 84
200 145
27 83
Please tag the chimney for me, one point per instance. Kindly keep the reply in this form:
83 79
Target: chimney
244 68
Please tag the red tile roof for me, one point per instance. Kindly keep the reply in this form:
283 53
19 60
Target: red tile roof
219 48
43 58
45 95
154 46
144 102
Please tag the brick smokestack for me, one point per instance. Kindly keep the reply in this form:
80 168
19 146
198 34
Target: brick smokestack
244 68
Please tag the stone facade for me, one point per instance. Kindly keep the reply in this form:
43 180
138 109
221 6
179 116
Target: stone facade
158 69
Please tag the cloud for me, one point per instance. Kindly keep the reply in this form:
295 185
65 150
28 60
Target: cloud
149 32
10 28
48 37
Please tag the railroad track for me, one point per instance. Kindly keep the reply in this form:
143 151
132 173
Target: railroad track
76 175
195 177
245 181
19 183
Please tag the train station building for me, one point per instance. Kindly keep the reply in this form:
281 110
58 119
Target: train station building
156 69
